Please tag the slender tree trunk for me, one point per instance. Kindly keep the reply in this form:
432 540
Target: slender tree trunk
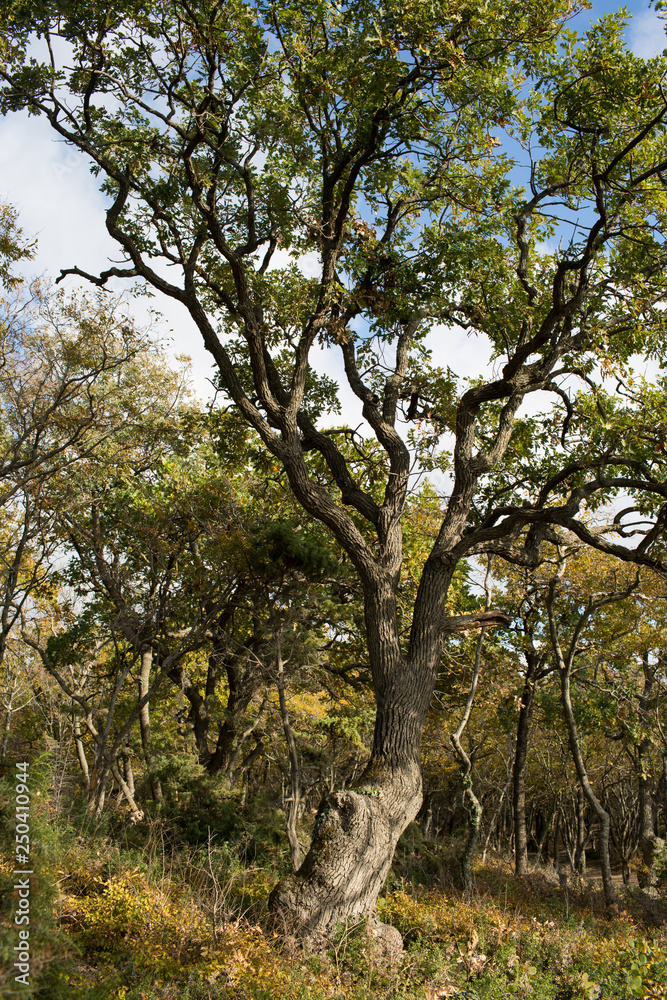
565 664
295 770
136 813
649 841
127 770
80 751
547 828
582 835
568 828
647 834
239 697
99 791
13 702
520 759
229 744
465 773
497 810
237 766
474 824
554 847
592 799
465 763
7 728
145 724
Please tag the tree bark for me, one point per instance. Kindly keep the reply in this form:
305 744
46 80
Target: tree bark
127 770
568 828
465 763
80 752
145 724
520 759
356 831
474 824
582 835
292 811
555 851
565 670
98 789
499 806
593 801
649 841
136 814
546 829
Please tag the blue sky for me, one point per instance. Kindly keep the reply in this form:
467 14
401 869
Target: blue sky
645 34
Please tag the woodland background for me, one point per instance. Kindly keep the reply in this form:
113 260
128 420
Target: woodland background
183 667
204 678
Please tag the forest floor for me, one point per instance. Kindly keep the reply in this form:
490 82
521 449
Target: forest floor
144 915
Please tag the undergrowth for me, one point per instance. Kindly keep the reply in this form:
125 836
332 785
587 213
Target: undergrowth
154 916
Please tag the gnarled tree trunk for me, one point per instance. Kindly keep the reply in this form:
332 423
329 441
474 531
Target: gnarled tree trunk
356 830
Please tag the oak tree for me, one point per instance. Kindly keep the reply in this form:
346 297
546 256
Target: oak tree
446 166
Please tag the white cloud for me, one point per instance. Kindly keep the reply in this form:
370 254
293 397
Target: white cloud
57 198
646 34
59 203
468 355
